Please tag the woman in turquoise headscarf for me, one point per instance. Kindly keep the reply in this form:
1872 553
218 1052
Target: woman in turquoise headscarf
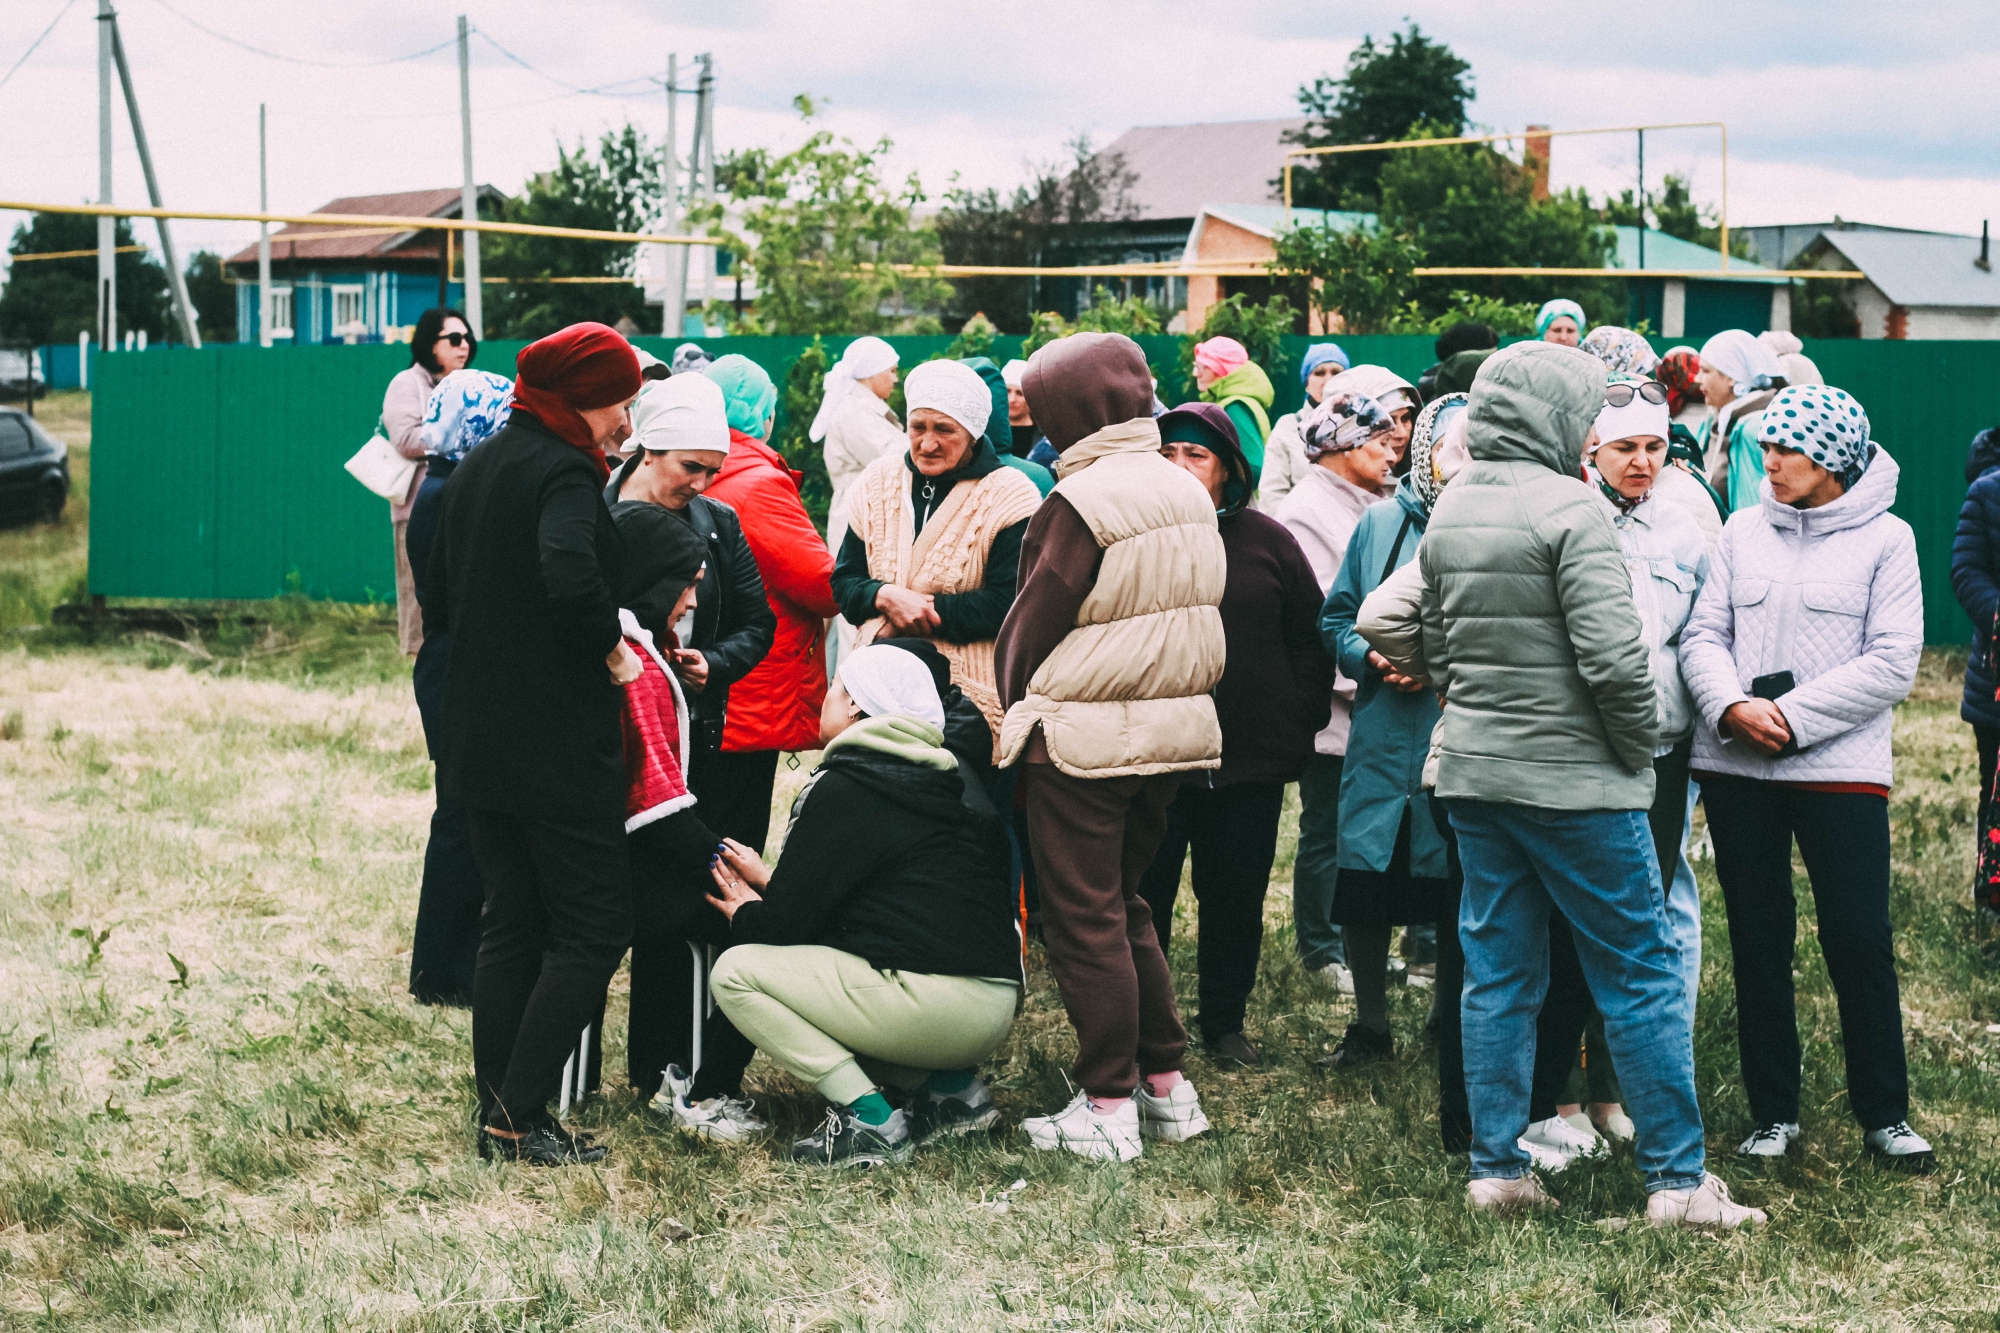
1000 434
1560 321
1227 377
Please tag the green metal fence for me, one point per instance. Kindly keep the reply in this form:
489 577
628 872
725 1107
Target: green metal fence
217 474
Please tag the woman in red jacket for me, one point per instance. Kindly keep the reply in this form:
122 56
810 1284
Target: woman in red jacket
776 707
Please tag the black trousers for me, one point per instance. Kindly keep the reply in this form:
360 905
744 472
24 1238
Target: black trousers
445 948
673 1020
558 918
1569 1015
1988 740
1843 838
1454 1108
734 792
1233 834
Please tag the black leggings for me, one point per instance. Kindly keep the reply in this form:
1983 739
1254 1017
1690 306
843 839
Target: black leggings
558 917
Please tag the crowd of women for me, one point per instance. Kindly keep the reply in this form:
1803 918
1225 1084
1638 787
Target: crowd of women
1503 627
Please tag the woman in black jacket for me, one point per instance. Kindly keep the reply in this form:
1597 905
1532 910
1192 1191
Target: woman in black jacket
885 946
521 577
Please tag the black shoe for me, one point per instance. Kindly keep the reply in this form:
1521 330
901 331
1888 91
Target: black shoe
937 1115
544 1145
845 1139
1359 1046
1231 1049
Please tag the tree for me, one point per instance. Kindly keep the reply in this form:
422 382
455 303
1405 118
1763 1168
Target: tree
615 188
53 300
983 227
1133 316
1676 213
1384 94
1260 328
798 404
819 226
974 339
214 300
1365 276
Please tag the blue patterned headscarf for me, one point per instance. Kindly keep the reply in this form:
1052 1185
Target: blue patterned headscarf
467 408
1823 423
1557 309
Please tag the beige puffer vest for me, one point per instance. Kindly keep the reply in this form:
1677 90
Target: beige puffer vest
1127 692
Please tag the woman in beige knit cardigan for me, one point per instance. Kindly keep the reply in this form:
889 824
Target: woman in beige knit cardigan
934 534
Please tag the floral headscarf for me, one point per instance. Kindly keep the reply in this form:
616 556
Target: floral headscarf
466 408
1432 463
1620 349
1676 373
1341 422
1823 423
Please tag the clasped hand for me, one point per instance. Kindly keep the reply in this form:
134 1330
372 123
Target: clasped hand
1391 677
910 615
1758 723
739 873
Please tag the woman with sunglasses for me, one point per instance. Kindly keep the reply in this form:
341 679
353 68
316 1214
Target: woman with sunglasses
441 343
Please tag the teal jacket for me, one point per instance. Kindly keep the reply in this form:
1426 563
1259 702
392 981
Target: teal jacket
1391 730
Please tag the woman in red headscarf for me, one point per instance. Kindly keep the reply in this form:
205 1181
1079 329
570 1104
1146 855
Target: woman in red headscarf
521 575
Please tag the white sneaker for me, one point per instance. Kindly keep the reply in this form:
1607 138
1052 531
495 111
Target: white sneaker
1173 1118
1555 1144
1618 1127
1079 1128
718 1119
1707 1206
1495 1194
1901 1147
1772 1140
1336 976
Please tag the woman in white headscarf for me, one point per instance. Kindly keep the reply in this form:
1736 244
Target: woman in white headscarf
1739 375
855 422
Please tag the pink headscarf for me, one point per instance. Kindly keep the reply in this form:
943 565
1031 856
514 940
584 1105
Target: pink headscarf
1219 356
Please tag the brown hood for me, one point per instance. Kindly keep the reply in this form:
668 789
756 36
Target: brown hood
1076 386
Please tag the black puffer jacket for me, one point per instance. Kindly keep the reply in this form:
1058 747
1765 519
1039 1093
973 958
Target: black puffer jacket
895 861
733 624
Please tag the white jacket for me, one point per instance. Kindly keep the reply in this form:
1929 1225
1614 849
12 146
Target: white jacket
1284 462
1829 594
1667 557
1321 513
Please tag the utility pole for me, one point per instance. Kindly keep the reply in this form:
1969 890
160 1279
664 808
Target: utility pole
107 226
176 280
469 203
673 304
701 173
264 302
1642 199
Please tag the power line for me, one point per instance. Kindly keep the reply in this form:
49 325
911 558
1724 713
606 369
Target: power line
602 90
37 42
297 60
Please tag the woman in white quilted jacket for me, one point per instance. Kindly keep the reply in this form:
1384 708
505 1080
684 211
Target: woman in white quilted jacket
1805 638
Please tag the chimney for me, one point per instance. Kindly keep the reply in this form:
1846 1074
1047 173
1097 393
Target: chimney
1985 261
1537 162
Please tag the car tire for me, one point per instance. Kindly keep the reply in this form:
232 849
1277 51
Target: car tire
54 496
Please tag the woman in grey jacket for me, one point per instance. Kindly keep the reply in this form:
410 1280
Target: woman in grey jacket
1806 636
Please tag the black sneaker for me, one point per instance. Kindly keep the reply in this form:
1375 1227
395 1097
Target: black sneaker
845 1139
544 1145
1232 1050
1359 1046
939 1115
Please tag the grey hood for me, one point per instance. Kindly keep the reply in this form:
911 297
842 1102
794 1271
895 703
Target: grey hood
1535 402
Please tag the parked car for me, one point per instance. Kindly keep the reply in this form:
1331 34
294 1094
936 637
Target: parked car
21 373
34 470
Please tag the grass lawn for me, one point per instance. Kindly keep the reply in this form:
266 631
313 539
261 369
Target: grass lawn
220 1110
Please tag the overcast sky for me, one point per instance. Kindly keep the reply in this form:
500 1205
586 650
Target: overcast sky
1873 111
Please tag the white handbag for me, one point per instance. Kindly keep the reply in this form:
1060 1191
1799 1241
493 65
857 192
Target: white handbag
381 469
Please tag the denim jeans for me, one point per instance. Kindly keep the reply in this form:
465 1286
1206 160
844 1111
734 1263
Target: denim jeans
1599 868
1315 866
1684 903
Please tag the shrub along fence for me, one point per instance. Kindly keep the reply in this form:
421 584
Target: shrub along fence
216 474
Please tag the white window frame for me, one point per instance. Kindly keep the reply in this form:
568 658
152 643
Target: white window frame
282 312
355 297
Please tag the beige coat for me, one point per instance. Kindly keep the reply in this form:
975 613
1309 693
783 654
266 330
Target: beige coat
1127 692
862 431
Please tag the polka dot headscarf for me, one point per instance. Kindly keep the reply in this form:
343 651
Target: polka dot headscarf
1823 423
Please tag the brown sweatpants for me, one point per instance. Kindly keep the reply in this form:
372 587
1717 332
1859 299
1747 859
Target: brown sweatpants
1092 839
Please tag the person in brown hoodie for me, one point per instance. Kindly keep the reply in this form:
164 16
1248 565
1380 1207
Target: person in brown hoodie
1105 665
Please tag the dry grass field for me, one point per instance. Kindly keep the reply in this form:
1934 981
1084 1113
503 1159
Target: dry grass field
220 1111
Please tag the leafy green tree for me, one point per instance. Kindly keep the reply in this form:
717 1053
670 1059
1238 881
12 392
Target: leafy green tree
974 339
615 187
53 300
1133 316
1260 328
798 403
1385 92
818 226
1048 327
1366 276
213 298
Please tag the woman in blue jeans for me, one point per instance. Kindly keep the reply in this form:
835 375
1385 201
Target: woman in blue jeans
1805 639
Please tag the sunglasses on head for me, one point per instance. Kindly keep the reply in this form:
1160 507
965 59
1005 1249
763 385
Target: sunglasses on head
1621 395
455 339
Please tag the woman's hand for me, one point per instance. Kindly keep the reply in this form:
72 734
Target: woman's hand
1391 677
692 668
745 862
624 663
1758 723
912 615
736 869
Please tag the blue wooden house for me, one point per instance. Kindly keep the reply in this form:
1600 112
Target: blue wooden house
356 285
1746 295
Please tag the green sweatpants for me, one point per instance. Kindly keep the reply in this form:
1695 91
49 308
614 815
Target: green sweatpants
820 1014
